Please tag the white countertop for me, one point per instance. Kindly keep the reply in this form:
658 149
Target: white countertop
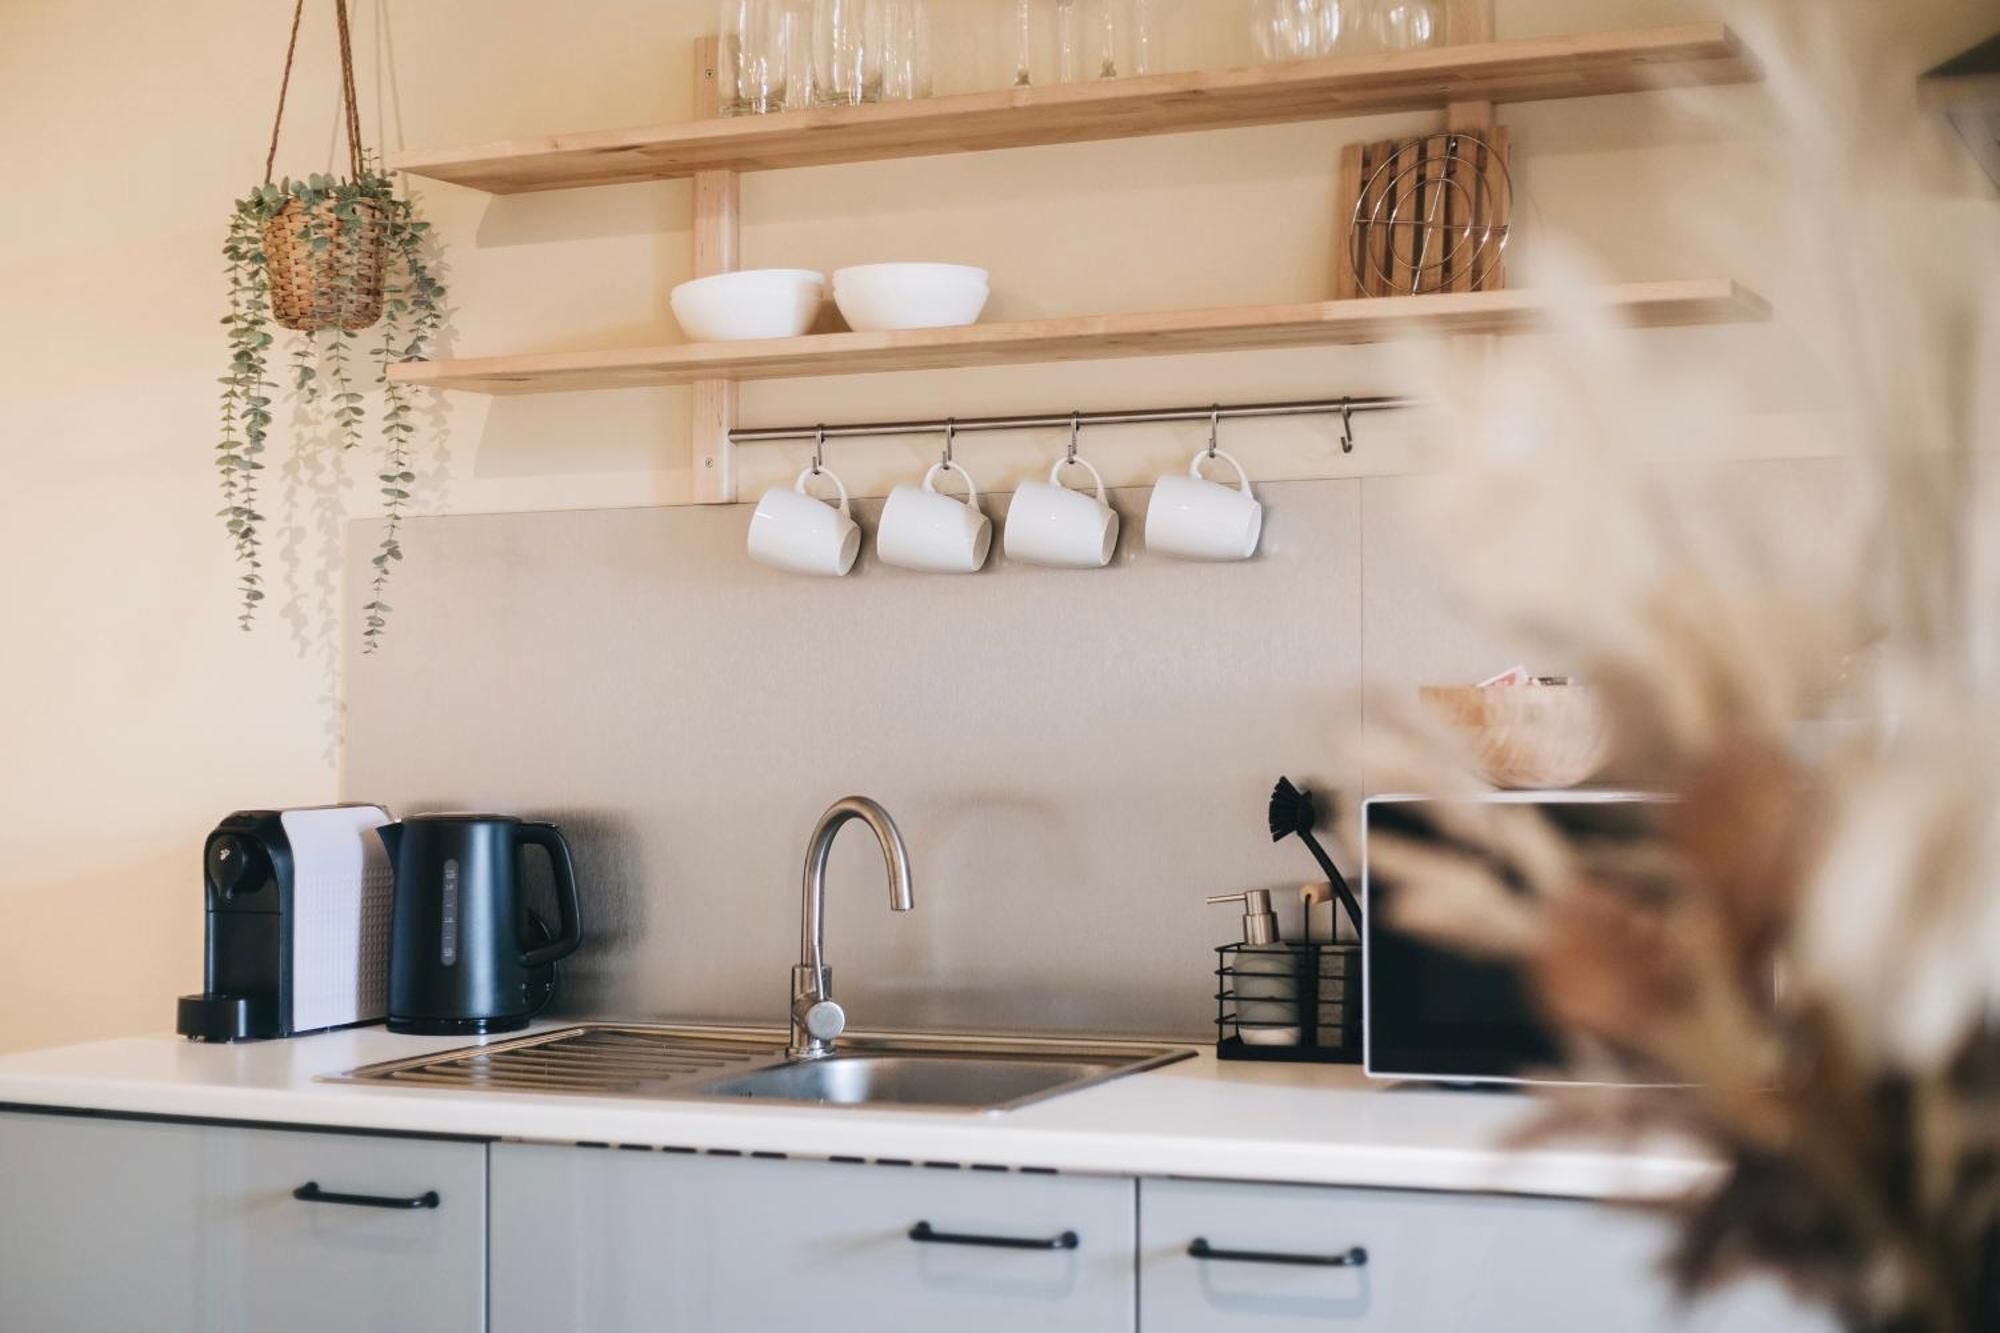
1199 1118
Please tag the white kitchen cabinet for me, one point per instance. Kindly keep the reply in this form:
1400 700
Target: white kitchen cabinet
608 1239
108 1225
1428 1263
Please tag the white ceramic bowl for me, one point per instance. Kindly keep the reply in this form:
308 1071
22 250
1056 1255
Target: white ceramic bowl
874 297
755 303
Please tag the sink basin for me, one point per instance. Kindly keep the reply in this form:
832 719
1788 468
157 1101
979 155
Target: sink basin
868 1069
919 1079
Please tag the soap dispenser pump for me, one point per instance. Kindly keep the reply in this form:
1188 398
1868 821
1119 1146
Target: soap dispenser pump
1262 975
1260 923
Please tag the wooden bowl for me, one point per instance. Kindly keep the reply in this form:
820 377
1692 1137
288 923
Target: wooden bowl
1528 736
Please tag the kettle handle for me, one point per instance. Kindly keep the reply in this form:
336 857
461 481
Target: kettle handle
550 839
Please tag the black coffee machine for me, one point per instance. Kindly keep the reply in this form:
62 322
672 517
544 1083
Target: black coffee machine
466 956
297 916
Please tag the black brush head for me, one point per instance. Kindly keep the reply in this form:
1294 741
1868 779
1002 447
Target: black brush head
1292 811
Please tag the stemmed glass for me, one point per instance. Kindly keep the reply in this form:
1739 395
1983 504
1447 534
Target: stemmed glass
1070 41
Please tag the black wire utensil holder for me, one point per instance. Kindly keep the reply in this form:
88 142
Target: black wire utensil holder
1326 979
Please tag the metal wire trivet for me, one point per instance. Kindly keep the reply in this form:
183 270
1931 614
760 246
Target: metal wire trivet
1430 216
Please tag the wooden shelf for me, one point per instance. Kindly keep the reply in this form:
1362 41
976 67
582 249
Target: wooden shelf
1515 71
1246 328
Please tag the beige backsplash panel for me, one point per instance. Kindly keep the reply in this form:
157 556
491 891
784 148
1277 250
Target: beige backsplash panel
1075 758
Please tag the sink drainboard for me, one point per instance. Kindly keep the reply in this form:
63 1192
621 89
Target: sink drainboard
600 1059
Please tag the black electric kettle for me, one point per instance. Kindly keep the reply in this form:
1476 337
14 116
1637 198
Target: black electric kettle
465 953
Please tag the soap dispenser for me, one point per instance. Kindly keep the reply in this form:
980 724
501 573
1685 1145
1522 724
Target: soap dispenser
1262 975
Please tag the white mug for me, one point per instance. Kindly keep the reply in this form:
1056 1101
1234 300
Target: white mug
935 533
1049 524
1196 519
793 531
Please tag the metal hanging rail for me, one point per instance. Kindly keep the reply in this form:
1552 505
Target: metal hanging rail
1213 412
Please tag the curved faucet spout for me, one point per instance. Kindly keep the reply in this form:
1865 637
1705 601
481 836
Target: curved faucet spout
816 1019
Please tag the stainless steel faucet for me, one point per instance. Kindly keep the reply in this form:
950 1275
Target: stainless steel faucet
816 1020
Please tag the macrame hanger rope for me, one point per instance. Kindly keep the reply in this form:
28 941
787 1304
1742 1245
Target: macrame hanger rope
350 104
284 86
347 91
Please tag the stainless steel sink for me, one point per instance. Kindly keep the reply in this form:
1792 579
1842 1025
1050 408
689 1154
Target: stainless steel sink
882 1069
920 1079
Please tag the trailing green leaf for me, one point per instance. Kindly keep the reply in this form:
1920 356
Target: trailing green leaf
320 365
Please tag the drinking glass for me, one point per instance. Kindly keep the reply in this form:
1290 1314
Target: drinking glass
735 34
1289 29
1335 32
1351 26
1405 25
752 56
906 50
852 54
793 24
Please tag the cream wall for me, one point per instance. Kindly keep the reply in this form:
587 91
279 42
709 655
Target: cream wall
136 715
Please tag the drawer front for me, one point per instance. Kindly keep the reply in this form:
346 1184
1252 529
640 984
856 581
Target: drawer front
115 1224
282 1262
1434 1263
608 1240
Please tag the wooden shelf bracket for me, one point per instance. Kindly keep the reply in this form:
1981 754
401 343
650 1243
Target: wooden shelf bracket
716 212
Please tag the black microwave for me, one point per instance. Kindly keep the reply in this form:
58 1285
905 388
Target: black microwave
1431 1012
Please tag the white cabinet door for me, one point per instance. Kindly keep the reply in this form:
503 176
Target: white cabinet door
1427 1263
110 1224
608 1239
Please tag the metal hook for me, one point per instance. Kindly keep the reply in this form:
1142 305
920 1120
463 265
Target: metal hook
1346 427
1214 427
950 433
1075 425
819 449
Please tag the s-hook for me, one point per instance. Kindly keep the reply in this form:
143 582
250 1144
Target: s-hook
819 449
1214 427
1346 426
1075 427
950 434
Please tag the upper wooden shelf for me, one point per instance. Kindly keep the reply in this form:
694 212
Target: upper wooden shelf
1515 71
1317 323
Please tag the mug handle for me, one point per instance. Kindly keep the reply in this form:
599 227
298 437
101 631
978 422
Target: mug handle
805 478
1242 477
971 491
550 839
1055 474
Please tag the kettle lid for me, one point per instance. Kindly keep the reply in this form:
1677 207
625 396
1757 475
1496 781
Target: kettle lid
459 817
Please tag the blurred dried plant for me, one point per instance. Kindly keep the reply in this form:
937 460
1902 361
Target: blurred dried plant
1816 708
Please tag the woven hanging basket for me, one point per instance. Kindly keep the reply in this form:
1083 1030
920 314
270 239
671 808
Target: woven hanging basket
340 287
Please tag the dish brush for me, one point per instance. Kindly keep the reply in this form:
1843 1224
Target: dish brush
1293 813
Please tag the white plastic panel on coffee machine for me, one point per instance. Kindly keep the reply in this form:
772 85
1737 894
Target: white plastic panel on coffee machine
340 916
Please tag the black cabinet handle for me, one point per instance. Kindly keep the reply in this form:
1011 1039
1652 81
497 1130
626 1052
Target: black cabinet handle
1356 1257
924 1232
310 1192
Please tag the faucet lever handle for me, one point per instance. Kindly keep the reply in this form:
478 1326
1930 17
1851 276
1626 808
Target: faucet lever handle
824 1020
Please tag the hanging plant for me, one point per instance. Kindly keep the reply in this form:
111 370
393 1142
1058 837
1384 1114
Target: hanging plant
328 258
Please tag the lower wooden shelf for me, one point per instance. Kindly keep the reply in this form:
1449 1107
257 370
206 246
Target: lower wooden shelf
1076 338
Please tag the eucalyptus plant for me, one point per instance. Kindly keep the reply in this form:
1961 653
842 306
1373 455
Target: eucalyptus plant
322 362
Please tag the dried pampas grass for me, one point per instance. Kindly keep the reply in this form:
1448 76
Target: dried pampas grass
1806 948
